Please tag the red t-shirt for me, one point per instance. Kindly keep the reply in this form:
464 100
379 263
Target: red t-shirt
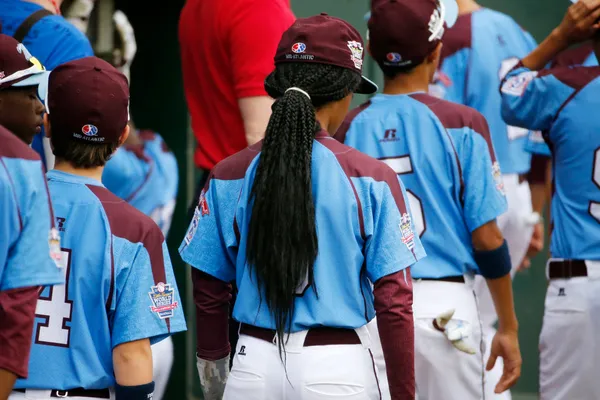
227 50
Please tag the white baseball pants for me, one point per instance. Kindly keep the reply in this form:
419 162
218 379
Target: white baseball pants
570 338
343 372
443 372
45 395
162 361
517 229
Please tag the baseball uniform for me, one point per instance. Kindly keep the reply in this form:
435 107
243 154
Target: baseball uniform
478 51
364 233
119 288
29 243
443 153
559 101
146 176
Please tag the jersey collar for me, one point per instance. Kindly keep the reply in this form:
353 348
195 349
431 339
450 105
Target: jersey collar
72 178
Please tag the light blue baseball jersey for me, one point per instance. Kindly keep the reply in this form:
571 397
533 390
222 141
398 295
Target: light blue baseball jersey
364 233
582 55
478 51
52 40
26 222
443 153
146 176
560 101
119 288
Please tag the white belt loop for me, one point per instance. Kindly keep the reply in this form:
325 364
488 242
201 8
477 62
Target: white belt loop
593 269
364 336
37 394
294 342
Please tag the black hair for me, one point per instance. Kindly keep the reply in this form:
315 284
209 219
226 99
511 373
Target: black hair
80 154
392 71
282 238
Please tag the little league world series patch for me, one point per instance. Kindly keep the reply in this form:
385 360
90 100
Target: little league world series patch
163 300
408 237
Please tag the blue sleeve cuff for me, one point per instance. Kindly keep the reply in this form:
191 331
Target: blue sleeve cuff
493 264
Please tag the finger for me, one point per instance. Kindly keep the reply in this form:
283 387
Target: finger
508 380
492 361
590 19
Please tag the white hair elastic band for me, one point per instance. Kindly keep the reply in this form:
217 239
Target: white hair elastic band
298 90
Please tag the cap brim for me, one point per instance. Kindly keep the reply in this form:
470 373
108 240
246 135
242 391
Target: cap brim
366 86
40 80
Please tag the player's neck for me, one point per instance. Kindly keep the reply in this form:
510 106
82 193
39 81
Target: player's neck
467 6
415 81
65 166
48 4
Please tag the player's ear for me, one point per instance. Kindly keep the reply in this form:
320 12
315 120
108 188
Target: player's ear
434 56
124 135
47 128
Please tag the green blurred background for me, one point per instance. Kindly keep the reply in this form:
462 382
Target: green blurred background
158 103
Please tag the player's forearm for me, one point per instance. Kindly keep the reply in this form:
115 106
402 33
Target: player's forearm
546 51
502 294
393 307
132 362
7 381
256 112
212 297
538 177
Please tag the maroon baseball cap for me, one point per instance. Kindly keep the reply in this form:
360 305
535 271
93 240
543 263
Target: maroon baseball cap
88 99
402 33
18 67
324 39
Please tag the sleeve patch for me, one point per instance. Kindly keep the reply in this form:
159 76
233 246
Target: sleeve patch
162 296
497 175
408 237
193 227
516 85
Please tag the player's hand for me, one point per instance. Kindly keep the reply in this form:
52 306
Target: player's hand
524 265
213 377
506 345
537 240
580 22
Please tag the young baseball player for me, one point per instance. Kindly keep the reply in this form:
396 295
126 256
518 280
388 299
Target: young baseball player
478 51
28 239
304 225
143 171
444 155
93 334
560 102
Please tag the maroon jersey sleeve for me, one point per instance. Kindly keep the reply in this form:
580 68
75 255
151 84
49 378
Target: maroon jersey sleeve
393 306
17 313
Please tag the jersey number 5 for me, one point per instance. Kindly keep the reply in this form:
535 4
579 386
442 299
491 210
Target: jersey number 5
56 309
403 165
595 206
513 132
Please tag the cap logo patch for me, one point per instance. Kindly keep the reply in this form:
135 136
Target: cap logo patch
356 56
23 50
299 48
436 22
89 130
394 57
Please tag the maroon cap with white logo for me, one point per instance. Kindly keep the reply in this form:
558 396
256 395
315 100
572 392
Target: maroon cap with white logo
18 67
402 33
88 100
325 40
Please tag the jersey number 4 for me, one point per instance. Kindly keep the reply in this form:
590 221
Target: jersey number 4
595 206
56 309
403 165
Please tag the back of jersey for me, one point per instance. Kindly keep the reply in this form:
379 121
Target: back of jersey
27 237
442 153
114 258
146 176
478 52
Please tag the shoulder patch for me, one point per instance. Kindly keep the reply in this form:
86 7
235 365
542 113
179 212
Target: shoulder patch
516 85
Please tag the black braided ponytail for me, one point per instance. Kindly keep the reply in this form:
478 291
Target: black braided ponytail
282 238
